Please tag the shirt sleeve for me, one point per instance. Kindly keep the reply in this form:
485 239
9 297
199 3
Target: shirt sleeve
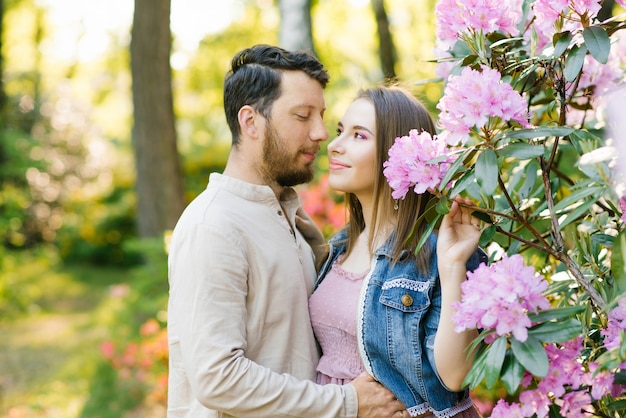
207 310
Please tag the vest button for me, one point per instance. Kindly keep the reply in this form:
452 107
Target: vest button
407 300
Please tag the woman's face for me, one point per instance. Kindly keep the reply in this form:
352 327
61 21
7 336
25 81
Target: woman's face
352 154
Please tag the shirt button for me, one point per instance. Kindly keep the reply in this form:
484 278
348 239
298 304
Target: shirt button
407 300
280 213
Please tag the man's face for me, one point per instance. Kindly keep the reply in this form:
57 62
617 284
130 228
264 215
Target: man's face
294 131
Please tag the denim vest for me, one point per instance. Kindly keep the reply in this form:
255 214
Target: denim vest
398 315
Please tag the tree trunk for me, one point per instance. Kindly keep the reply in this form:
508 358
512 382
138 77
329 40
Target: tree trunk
386 47
160 198
295 25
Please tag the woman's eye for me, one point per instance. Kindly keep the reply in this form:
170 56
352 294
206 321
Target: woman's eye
357 135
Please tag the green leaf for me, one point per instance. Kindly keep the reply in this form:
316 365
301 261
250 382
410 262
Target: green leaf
561 42
477 371
556 332
598 43
530 177
505 41
512 373
487 171
455 167
531 355
580 210
603 239
426 234
574 62
442 206
521 151
463 182
482 216
540 132
617 406
487 236
494 360
617 261
577 195
556 313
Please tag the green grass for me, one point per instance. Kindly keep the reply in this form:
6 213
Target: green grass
49 349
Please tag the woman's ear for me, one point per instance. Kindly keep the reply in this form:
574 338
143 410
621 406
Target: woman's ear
249 121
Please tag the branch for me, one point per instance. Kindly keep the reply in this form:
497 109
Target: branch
519 217
547 249
595 296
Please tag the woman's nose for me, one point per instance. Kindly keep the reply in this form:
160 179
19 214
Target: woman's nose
334 146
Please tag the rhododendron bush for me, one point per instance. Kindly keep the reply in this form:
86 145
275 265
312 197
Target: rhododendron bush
531 127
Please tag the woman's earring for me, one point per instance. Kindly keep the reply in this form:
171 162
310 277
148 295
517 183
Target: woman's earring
395 206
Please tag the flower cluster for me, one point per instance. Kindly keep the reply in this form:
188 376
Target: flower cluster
566 380
461 16
411 164
547 12
469 100
617 323
500 296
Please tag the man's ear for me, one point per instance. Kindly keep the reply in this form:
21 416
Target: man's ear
249 121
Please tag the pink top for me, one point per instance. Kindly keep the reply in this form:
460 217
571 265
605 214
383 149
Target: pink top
333 310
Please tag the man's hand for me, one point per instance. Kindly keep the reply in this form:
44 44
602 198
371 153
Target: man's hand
375 400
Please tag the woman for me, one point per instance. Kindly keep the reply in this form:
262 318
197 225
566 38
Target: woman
377 307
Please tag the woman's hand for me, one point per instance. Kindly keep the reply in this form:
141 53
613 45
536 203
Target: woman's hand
458 234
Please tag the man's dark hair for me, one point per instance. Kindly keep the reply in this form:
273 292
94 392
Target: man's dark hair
254 79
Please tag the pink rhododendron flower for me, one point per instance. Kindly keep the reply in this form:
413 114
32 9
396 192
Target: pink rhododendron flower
602 79
565 368
617 323
566 381
575 404
469 100
409 163
622 207
460 16
547 12
535 402
504 410
588 7
500 296
601 384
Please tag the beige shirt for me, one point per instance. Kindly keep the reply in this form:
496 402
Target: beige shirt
239 332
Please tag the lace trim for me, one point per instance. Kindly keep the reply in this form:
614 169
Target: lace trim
406 284
339 270
367 365
446 413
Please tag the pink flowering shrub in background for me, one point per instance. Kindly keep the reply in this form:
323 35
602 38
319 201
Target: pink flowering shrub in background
525 114
143 364
324 205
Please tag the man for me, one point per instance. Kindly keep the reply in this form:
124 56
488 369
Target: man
241 270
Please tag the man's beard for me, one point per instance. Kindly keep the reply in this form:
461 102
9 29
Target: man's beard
280 165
